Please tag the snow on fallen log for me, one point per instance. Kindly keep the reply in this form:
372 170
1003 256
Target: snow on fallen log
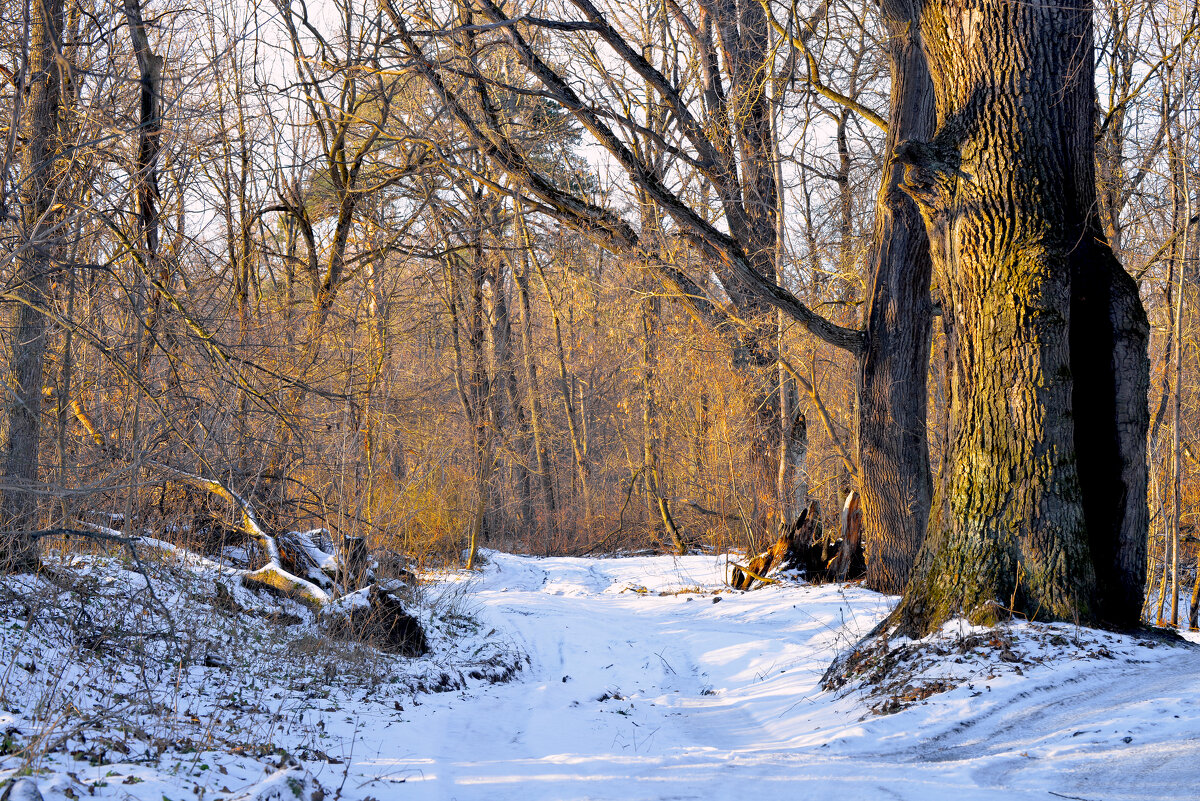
373 614
273 574
323 565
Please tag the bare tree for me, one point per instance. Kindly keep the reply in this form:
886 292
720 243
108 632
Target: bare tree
37 258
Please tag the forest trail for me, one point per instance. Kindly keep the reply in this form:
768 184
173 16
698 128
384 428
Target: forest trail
632 694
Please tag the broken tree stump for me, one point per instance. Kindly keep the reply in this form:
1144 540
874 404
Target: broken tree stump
849 562
355 561
793 550
377 617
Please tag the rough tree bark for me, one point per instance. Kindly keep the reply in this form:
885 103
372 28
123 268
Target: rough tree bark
1041 507
35 260
893 448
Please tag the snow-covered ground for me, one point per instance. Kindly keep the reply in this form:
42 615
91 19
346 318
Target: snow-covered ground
647 680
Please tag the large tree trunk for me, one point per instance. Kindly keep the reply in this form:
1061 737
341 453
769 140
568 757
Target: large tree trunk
35 259
1042 495
893 446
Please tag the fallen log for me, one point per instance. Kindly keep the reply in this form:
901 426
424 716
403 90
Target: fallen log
372 615
269 576
297 566
384 623
273 574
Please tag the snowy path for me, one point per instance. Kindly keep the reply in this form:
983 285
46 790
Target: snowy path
641 696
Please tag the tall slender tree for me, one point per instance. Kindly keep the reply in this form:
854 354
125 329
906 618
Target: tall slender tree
893 446
36 260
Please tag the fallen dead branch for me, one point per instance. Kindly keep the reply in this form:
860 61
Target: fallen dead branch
737 581
378 613
273 574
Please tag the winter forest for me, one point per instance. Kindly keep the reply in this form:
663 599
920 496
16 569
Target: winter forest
565 399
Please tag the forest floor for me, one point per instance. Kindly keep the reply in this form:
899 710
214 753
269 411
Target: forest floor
635 678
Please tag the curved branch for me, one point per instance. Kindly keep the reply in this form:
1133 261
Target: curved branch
814 79
614 232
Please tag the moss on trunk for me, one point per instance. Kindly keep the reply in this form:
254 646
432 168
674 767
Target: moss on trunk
1041 489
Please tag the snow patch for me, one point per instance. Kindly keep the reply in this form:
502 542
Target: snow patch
645 678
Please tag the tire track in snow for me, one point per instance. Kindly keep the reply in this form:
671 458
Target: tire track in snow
631 719
1080 722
